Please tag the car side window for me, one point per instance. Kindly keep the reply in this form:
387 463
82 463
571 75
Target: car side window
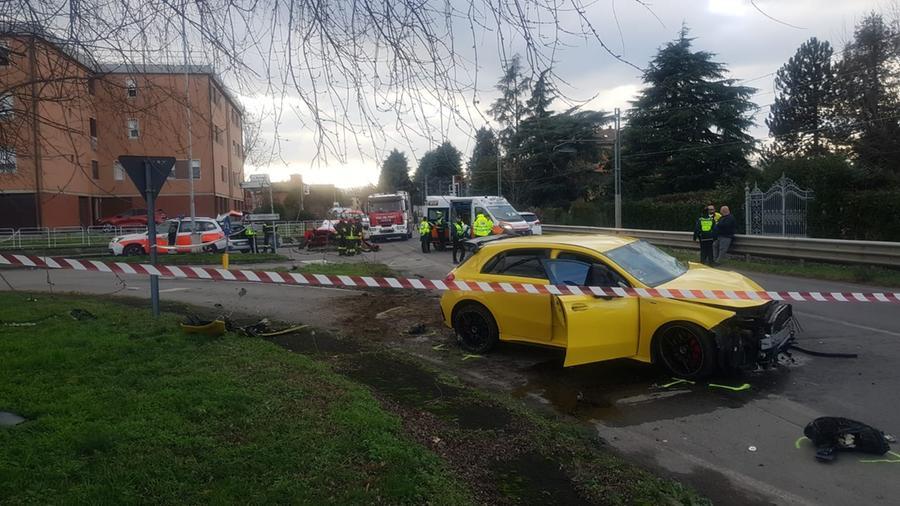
206 226
518 262
600 274
185 227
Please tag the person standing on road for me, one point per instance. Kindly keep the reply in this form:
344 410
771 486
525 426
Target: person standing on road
460 234
341 232
705 232
250 234
482 226
725 228
716 217
425 234
441 227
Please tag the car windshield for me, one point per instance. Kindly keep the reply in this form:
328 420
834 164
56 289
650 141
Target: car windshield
649 264
384 206
506 213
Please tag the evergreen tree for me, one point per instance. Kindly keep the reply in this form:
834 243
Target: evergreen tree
437 168
802 112
482 166
688 128
509 109
559 157
542 95
394 173
869 94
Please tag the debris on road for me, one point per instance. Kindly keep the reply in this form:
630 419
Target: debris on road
751 448
384 315
739 388
8 419
211 328
467 356
439 347
831 434
417 329
676 382
823 354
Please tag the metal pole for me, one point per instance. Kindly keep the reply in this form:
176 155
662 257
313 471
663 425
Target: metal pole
747 210
499 190
151 240
272 211
618 171
783 195
195 234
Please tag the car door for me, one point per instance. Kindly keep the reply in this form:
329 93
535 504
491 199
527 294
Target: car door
520 316
593 328
183 241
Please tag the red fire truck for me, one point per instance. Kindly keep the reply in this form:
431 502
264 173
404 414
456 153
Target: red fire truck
390 215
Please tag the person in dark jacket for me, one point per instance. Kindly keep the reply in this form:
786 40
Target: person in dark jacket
725 229
705 232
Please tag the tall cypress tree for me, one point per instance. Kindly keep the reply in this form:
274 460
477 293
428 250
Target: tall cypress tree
482 165
803 110
394 173
869 94
509 109
542 96
688 128
437 167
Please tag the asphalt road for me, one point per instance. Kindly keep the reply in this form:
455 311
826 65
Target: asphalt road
738 448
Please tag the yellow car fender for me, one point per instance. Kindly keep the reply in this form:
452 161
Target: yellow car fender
657 312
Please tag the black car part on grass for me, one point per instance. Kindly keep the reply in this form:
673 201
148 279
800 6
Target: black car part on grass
831 434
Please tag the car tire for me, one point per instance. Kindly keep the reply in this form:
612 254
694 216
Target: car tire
475 327
686 350
210 248
133 250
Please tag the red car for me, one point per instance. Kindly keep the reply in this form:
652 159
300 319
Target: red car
132 218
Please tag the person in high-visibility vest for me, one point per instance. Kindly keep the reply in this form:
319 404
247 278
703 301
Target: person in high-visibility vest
460 234
705 232
425 234
250 234
482 226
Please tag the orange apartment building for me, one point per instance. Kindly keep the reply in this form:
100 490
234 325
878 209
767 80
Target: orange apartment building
65 119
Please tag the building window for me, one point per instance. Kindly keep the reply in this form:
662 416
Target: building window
93 123
224 177
4 54
7 102
131 87
236 147
236 117
215 96
95 169
118 171
91 85
7 161
181 170
134 131
217 133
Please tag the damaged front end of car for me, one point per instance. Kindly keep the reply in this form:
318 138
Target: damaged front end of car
756 336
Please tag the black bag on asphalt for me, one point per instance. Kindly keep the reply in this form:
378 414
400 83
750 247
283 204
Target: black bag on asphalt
832 433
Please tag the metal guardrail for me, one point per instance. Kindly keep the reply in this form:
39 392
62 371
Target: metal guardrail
823 250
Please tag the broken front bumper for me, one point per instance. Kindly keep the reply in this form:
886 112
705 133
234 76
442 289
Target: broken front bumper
755 337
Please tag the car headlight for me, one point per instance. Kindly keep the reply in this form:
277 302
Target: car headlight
506 226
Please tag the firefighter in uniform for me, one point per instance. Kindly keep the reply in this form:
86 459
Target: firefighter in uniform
354 235
460 234
425 234
482 226
340 231
705 232
269 236
441 227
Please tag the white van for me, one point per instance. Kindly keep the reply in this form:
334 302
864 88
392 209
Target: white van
506 219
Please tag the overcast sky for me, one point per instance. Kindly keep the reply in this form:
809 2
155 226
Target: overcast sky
752 45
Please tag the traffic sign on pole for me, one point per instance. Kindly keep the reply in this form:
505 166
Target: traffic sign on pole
149 174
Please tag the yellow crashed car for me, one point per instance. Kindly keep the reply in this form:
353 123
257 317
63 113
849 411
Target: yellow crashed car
691 337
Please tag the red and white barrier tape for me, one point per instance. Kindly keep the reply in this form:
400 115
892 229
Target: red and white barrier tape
292 278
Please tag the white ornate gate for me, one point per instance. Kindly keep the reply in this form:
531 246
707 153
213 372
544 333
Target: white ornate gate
781 210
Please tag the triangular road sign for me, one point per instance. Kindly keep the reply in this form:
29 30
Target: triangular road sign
160 168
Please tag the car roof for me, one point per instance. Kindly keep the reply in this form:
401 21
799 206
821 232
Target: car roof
597 242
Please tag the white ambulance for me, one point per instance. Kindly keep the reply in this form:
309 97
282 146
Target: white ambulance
506 219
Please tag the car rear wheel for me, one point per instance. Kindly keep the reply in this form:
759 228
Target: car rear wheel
211 248
476 329
133 250
686 350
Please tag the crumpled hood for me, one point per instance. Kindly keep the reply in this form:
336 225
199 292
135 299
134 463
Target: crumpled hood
701 277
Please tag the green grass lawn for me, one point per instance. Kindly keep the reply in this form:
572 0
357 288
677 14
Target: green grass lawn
882 276
127 409
201 258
